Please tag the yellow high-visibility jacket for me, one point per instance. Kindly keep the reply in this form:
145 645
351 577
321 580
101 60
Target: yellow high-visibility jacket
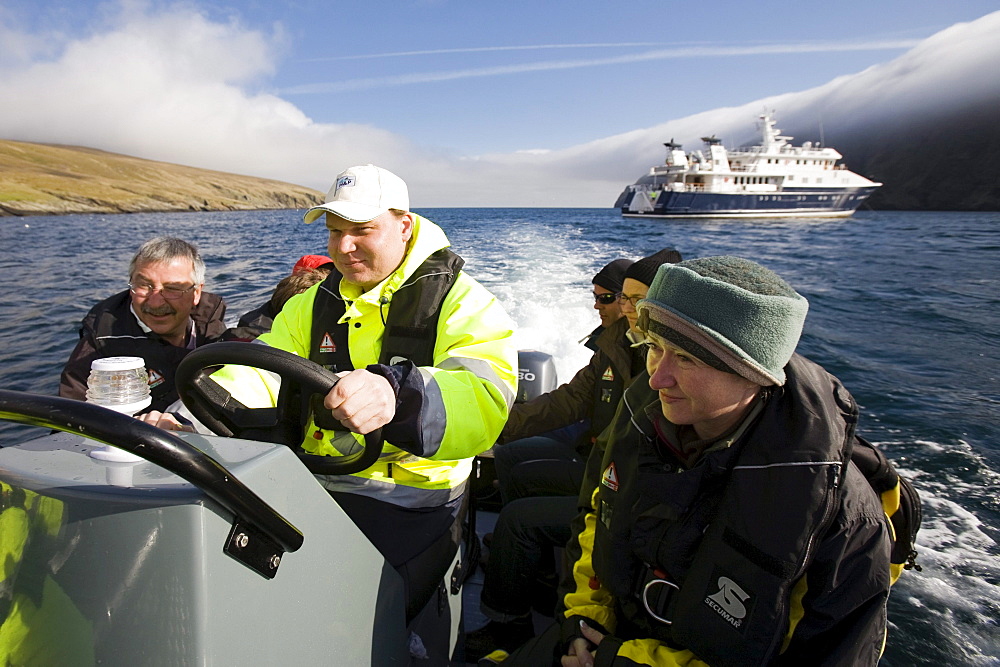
465 396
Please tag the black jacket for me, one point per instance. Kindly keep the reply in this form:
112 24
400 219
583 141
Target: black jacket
110 330
252 324
592 394
777 545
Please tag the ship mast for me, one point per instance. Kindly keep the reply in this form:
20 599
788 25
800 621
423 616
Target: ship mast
771 138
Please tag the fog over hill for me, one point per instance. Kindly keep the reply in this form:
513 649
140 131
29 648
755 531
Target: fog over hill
923 124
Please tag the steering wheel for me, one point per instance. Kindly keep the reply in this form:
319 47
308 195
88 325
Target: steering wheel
301 378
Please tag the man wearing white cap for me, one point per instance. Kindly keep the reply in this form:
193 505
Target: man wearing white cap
423 351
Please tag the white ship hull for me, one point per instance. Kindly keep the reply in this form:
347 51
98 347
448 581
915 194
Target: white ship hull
772 179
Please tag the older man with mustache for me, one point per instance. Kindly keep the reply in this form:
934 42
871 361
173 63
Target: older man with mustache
163 315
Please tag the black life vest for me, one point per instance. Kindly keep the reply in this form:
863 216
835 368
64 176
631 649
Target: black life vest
724 521
410 323
796 457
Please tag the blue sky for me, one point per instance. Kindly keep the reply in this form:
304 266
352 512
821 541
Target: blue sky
440 79
568 72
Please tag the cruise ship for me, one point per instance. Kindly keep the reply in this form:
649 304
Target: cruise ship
771 179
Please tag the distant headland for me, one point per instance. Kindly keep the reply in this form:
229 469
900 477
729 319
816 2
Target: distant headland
50 179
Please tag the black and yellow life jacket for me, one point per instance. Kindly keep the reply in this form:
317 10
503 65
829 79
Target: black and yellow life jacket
410 322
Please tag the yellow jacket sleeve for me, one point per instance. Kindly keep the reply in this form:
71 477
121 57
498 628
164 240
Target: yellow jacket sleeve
588 598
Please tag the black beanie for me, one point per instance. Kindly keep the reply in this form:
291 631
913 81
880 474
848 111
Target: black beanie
645 269
612 275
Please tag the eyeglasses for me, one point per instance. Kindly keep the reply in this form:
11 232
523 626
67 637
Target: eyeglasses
631 299
607 298
168 293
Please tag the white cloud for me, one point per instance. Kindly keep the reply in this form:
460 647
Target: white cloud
174 85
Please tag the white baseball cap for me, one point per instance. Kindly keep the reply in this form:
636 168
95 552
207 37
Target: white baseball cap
362 193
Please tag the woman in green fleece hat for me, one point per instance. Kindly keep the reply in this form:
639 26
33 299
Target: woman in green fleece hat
726 524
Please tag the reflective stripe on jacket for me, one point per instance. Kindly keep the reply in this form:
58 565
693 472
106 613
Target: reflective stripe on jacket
464 398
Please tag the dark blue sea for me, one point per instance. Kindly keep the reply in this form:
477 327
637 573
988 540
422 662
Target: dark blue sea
904 309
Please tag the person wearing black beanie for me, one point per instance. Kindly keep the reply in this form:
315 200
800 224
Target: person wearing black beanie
644 270
607 287
612 275
638 277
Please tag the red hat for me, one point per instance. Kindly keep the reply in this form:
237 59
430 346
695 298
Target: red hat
309 262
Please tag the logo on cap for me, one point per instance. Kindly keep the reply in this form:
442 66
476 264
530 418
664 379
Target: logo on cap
345 182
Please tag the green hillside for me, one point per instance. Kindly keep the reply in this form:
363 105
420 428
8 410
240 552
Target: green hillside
47 179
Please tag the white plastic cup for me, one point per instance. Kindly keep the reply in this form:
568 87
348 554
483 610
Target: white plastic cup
120 384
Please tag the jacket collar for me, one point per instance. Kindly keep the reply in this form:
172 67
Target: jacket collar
427 238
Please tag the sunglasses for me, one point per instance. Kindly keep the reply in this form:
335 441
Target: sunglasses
607 299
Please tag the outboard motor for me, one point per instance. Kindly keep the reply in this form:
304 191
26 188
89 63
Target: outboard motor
536 374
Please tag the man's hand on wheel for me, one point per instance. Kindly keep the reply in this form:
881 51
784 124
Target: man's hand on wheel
361 401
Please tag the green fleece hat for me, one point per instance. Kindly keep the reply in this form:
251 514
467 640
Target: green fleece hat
731 313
